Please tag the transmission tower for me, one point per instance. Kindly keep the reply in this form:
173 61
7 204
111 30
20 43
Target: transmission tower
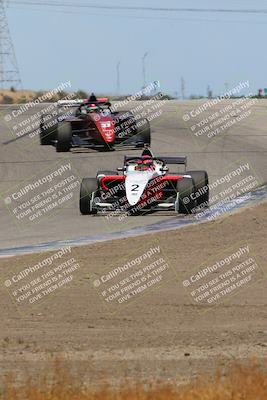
9 70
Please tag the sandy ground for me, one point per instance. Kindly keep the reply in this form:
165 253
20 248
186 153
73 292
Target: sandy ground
162 332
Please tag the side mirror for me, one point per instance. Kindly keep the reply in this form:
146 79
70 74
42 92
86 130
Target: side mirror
121 169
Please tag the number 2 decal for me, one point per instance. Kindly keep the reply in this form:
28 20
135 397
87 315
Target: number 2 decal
135 188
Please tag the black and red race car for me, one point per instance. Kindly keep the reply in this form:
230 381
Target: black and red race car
92 125
145 184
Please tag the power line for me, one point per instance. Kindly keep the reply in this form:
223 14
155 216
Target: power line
137 8
82 12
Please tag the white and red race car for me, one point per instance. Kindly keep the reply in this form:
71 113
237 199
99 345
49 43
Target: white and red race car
145 184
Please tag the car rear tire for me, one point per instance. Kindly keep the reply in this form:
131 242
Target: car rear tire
125 125
106 173
88 191
186 190
64 137
202 187
108 147
47 136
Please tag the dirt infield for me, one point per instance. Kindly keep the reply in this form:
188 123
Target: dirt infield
162 332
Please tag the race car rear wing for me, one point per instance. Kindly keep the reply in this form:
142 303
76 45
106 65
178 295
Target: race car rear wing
70 103
79 102
166 160
174 160
103 100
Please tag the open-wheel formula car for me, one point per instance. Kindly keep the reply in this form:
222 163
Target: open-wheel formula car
92 125
145 184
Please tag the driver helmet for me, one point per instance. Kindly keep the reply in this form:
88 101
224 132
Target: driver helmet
91 108
145 164
92 98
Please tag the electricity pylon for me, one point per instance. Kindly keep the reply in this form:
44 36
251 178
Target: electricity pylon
9 70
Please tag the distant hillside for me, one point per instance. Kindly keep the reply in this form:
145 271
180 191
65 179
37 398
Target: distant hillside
24 96
9 96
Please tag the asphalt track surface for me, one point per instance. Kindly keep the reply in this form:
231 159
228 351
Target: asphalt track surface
24 161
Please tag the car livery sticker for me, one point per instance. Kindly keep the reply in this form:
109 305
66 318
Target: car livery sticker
135 184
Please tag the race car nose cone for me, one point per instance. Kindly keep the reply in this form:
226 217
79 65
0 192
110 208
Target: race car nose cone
135 185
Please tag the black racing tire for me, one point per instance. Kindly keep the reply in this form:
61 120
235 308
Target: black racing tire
64 137
47 136
89 188
186 189
201 180
125 126
143 135
107 173
107 147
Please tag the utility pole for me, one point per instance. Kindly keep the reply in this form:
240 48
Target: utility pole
144 68
209 92
118 78
183 88
9 70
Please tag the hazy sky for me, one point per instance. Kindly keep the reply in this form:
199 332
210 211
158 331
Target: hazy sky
85 45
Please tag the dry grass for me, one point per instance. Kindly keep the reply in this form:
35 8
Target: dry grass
247 382
14 97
